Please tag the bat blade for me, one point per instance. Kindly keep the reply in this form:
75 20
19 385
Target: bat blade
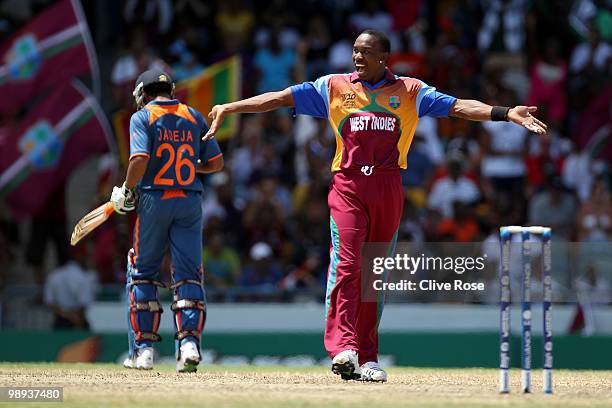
90 222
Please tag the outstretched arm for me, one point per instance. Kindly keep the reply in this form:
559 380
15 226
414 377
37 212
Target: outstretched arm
478 111
260 103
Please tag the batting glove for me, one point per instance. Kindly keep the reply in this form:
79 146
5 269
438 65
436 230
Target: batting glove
123 199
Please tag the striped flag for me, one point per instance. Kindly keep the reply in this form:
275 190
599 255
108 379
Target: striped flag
63 131
219 83
52 48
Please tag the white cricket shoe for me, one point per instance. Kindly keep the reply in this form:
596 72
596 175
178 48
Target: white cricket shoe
371 371
346 364
190 358
141 360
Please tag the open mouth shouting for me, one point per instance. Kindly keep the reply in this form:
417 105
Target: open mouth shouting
361 68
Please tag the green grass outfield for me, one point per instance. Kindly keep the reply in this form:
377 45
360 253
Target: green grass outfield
109 385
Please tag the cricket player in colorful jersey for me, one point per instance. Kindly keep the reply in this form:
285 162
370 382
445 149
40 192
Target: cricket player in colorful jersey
374 115
166 152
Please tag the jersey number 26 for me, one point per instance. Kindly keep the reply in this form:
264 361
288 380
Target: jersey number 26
182 155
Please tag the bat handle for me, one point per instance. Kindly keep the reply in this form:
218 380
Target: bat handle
108 209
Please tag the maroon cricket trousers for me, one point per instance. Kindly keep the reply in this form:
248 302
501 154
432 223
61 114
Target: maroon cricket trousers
363 208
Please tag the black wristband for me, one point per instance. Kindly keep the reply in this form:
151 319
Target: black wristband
499 113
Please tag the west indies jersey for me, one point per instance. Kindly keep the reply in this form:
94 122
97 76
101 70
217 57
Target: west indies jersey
169 133
374 123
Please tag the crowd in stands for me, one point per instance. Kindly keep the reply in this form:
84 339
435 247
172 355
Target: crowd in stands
266 220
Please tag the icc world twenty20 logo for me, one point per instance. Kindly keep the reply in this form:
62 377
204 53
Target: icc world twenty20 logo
23 59
41 145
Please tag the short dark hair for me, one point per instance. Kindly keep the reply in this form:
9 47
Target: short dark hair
158 88
382 38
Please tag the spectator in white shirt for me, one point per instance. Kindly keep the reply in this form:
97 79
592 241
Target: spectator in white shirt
372 16
454 187
554 208
69 290
503 157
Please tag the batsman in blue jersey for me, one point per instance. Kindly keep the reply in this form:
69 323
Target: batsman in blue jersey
166 152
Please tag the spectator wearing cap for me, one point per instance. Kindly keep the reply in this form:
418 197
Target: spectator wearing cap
262 271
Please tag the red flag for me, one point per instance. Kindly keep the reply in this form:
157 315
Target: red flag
67 128
52 48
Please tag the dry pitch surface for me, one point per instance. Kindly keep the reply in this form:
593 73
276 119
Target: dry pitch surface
105 385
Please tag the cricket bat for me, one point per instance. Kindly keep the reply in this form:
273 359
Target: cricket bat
90 222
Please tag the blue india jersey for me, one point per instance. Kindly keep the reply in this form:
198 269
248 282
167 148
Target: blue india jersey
169 133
